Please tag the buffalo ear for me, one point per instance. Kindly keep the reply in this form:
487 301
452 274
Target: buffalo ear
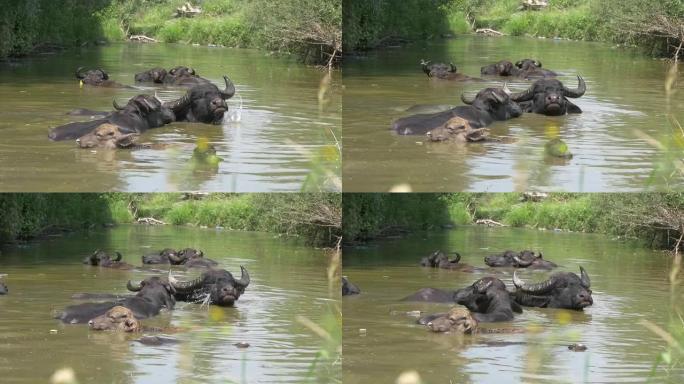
572 108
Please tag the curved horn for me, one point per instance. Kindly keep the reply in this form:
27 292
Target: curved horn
539 288
576 92
452 67
118 256
584 276
157 98
244 279
458 257
519 64
178 104
175 258
506 89
79 75
466 100
230 89
117 106
483 287
192 71
522 262
537 63
525 95
134 288
186 286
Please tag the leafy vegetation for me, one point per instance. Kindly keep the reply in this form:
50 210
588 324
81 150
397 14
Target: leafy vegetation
314 217
655 218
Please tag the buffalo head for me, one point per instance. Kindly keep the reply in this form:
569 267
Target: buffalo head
148 108
458 320
439 259
527 64
549 97
349 288
219 285
120 319
92 76
496 102
488 298
155 290
155 75
561 290
107 136
502 68
102 258
204 103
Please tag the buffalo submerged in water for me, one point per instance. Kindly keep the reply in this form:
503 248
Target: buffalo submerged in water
550 97
561 290
489 105
214 286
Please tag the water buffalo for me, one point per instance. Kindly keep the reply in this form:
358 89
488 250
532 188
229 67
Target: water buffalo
443 71
490 104
533 68
215 286
502 68
97 77
153 294
561 290
458 130
349 288
154 75
203 103
439 259
199 262
180 75
3 288
524 259
103 259
165 256
487 297
460 320
141 113
118 318
549 97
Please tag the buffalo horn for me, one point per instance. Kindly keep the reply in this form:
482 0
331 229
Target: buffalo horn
458 257
576 92
244 279
180 103
175 258
480 287
467 100
134 288
506 89
118 256
186 286
79 75
538 288
525 95
521 262
230 89
117 106
584 277
519 64
537 63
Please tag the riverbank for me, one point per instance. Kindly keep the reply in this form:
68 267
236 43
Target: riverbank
655 27
313 217
308 29
657 219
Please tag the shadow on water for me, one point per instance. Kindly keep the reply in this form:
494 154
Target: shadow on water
628 283
268 149
288 281
625 94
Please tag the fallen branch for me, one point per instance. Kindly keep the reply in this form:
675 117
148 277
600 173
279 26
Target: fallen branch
488 32
142 38
150 221
489 223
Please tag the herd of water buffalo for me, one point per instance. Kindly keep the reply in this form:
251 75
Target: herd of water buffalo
467 123
488 299
204 102
124 312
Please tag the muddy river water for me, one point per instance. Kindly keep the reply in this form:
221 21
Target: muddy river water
287 280
283 123
625 103
629 285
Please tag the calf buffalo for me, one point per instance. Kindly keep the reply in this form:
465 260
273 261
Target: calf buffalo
561 290
524 259
489 105
141 113
203 103
118 318
153 294
549 97
216 286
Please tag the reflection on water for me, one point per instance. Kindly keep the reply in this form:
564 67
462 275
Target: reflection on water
288 280
269 149
628 283
625 92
